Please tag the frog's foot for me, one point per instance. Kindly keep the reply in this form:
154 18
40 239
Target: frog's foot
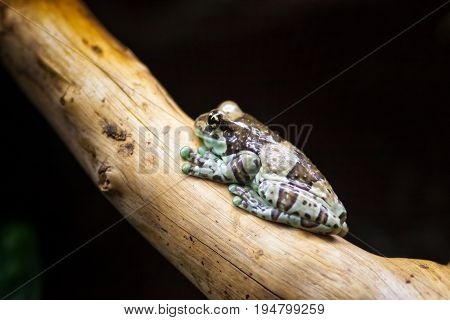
199 157
246 197
249 200
205 164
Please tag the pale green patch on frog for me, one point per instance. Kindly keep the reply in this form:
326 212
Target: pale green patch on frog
217 145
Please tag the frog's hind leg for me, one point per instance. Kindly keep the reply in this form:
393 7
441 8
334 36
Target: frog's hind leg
251 201
293 199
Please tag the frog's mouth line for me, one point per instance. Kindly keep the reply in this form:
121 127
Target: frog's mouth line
216 145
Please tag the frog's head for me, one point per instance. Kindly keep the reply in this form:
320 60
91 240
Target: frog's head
214 127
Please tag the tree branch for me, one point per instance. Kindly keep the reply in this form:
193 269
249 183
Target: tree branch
126 131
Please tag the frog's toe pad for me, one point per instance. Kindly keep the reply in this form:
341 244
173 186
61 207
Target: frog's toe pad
202 150
186 168
185 152
237 190
237 201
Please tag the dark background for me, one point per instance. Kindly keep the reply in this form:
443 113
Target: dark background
380 130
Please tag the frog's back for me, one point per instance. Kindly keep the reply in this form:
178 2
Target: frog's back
280 159
278 156
285 161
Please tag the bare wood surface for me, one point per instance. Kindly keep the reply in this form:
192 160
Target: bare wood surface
122 127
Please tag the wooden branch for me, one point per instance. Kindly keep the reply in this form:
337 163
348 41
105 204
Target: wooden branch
126 132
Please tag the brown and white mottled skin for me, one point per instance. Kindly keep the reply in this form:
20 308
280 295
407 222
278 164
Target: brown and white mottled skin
270 177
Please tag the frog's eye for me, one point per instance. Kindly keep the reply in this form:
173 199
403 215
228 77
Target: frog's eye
215 119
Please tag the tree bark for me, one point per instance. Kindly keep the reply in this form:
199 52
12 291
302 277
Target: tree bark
126 131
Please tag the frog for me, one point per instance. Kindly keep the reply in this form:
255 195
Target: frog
269 177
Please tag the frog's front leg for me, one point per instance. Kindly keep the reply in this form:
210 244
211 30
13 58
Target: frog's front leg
236 168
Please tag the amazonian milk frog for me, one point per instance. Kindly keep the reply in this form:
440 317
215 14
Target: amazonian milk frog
269 177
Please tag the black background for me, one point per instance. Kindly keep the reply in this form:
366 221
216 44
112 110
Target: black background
380 130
